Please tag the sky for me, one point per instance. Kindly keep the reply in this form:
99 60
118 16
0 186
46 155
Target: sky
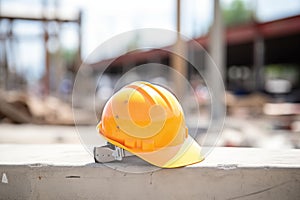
104 19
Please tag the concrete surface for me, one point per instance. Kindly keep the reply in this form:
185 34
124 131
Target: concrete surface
236 132
69 172
33 134
41 134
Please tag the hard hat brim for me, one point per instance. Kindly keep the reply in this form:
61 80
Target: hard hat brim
189 153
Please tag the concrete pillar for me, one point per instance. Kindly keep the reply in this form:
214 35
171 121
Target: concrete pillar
216 40
214 76
259 54
178 63
213 69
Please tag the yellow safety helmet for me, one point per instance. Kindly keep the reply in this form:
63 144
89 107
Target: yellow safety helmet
148 121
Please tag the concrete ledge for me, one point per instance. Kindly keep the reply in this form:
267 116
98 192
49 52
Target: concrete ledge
68 172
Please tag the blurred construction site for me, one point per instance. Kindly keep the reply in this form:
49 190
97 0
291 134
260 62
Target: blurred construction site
254 44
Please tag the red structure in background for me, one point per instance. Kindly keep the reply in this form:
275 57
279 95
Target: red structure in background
279 42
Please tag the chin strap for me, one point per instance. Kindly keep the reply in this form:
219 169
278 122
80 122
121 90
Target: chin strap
109 153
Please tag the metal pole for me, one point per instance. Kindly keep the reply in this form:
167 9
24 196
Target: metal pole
47 63
47 56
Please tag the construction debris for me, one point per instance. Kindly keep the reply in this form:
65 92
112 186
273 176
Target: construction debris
17 111
18 107
248 105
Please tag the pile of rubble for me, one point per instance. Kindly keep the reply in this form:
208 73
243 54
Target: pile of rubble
18 107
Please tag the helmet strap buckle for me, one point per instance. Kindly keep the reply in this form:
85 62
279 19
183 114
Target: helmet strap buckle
109 153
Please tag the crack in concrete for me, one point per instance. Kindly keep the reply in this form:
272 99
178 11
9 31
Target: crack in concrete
261 191
151 174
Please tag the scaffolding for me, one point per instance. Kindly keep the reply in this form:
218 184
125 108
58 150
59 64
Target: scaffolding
47 19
